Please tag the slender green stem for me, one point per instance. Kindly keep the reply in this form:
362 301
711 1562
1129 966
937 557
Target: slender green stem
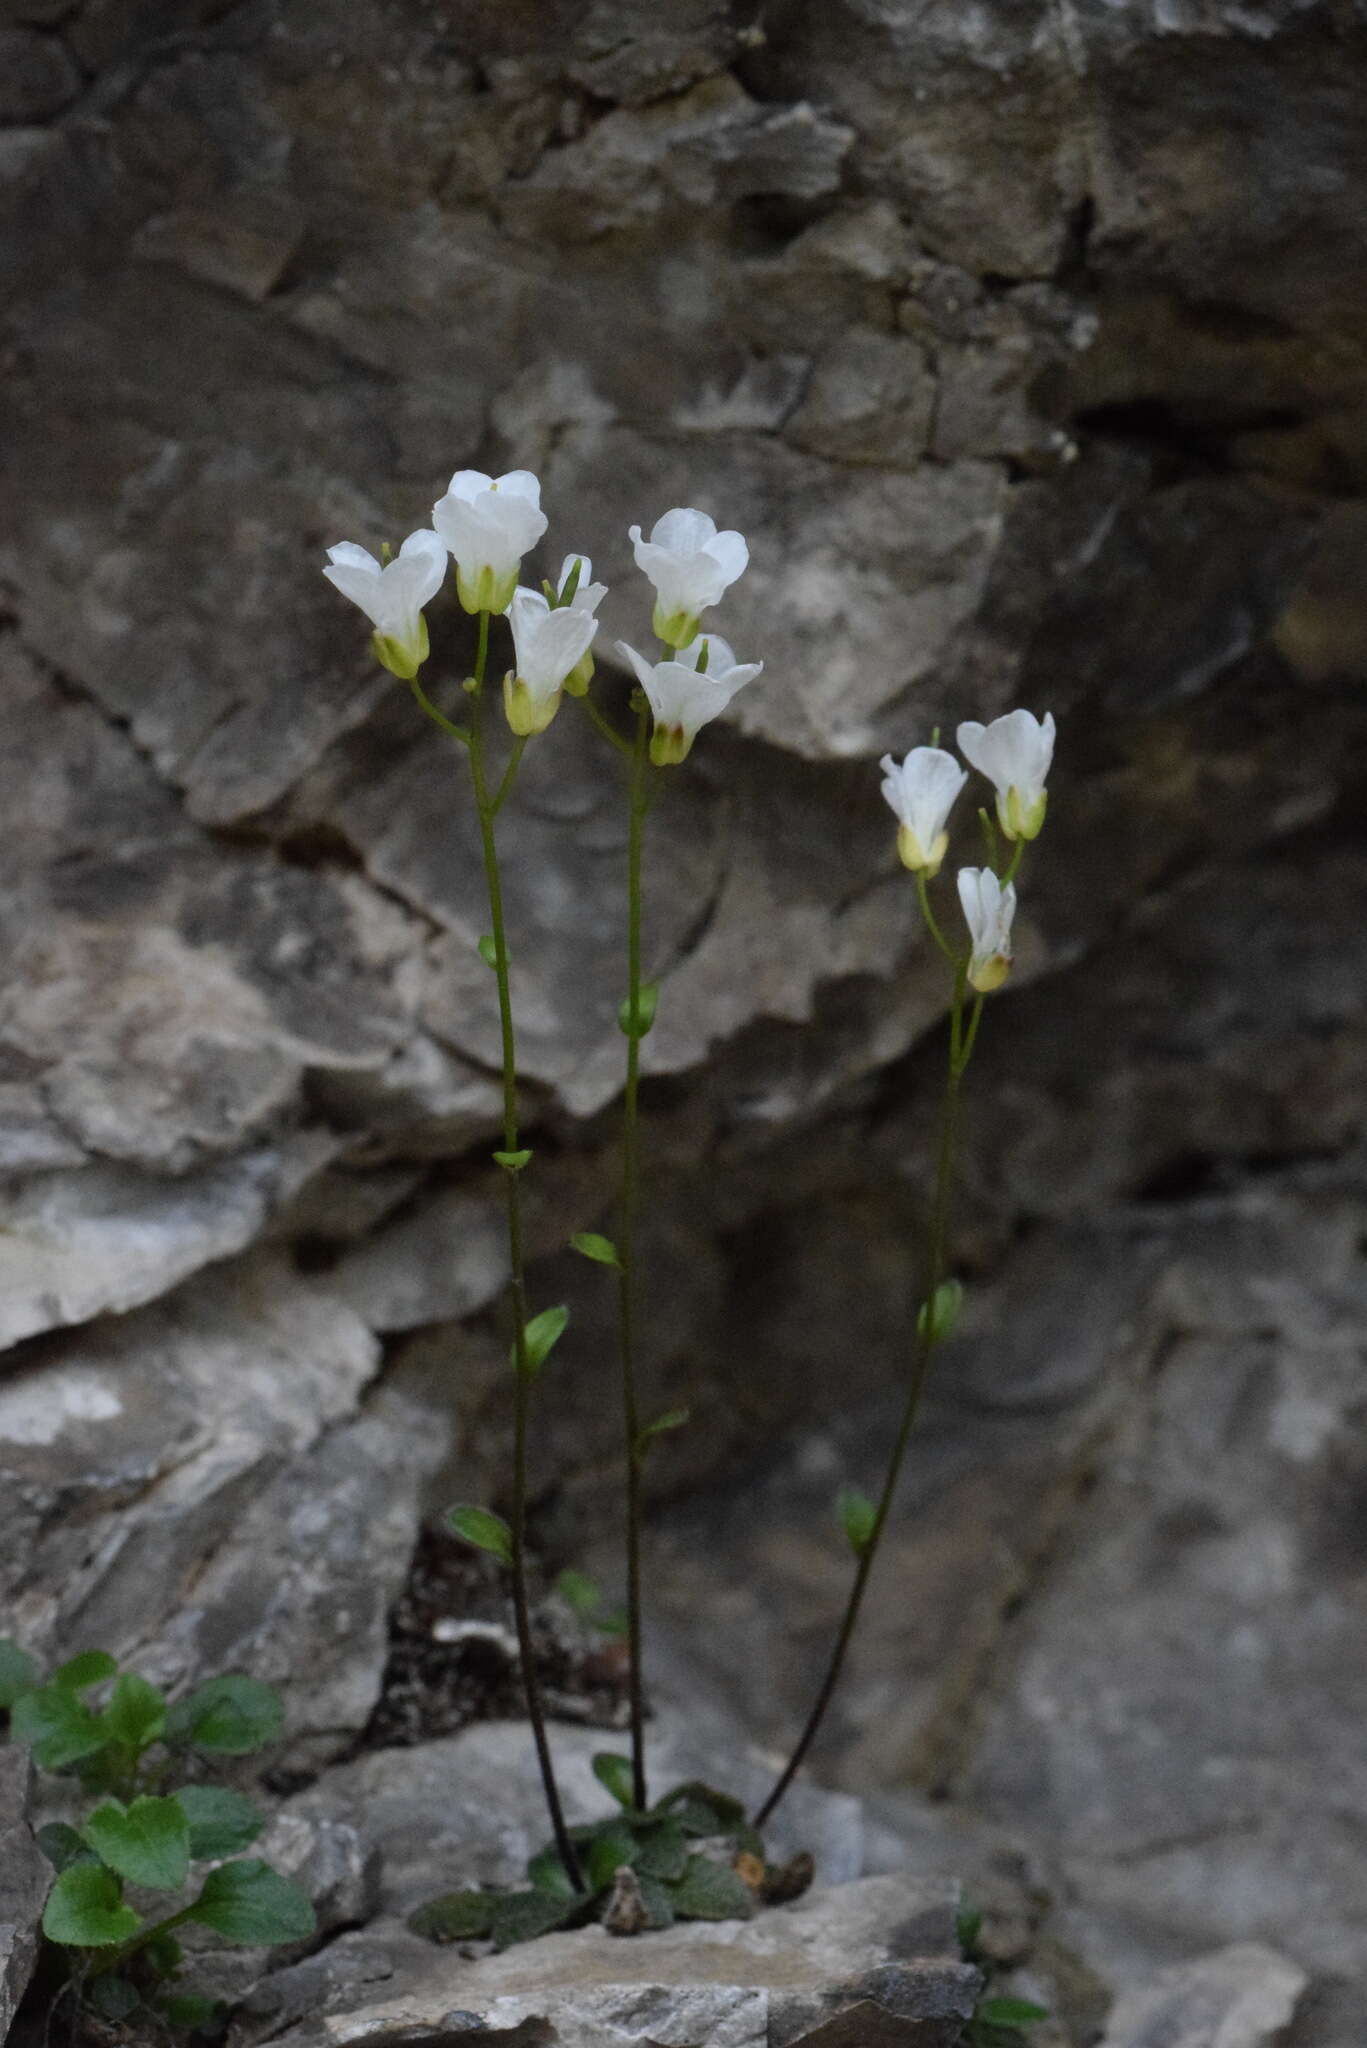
605 726
457 732
509 774
487 808
932 925
117 1957
926 1338
626 1249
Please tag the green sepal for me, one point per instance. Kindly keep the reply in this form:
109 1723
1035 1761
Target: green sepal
85 1909
18 1672
483 1528
712 1891
590 1245
858 1517
513 1162
542 1334
488 951
647 1000
249 1904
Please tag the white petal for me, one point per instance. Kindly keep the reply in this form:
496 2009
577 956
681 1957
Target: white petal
730 553
645 670
519 483
680 696
970 737
468 484
427 551
346 554
558 642
683 531
362 586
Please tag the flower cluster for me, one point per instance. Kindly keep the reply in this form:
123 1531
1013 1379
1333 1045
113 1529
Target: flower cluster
1014 753
486 525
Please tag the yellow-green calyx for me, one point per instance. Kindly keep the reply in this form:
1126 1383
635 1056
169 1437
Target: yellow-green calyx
527 714
676 629
403 659
1019 820
986 975
915 856
484 591
580 676
669 744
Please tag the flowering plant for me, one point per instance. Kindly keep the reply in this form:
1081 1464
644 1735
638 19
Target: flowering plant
639 1867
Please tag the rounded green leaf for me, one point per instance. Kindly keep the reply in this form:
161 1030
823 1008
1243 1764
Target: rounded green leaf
18 1672
543 1334
85 1909
614 1772
483 1528
1010 2012
251 1905
858 1518
114 1998
711 1891
548 1873
455 1916
136 1713
593 1246
62 1846
87 1669
59 1726
228 1716
148 1842
608 1850
221 1822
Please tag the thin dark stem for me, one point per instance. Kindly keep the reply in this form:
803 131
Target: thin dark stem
626 1251
926 1339
512 1178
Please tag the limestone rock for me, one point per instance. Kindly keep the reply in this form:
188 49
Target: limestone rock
25 1876
1239 1997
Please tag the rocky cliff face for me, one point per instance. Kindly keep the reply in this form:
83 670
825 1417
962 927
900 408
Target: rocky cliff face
1025 342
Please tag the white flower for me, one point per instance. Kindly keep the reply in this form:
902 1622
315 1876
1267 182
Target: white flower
489 523
989 908
922 793
1014 753
684 696
587 598
548 642
392 597
691 565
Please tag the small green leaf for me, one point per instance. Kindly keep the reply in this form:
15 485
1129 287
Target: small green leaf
601 1250
455 1916
581 1594
521 1916
543 1334
136 1713
192 2010
114 1998
712 1891
612 1845
614 1774
701 1810
1010 2012
229 1716
85 1909
513 1162
148 1842
547 1873
86 1670
60 1727
249 1903
488 951
486 1530
858 1517
661 1850
648 998
163 1954
18 1672
221 1822
62 1846
948 1300
674 1418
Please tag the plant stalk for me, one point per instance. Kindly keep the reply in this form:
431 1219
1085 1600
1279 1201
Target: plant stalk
487 807
626 1252
926 1338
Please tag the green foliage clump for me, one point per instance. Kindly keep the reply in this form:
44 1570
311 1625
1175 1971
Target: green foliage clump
998 2021
118 1737
669 1876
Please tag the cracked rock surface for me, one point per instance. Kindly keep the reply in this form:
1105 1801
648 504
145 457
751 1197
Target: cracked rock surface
1025 345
